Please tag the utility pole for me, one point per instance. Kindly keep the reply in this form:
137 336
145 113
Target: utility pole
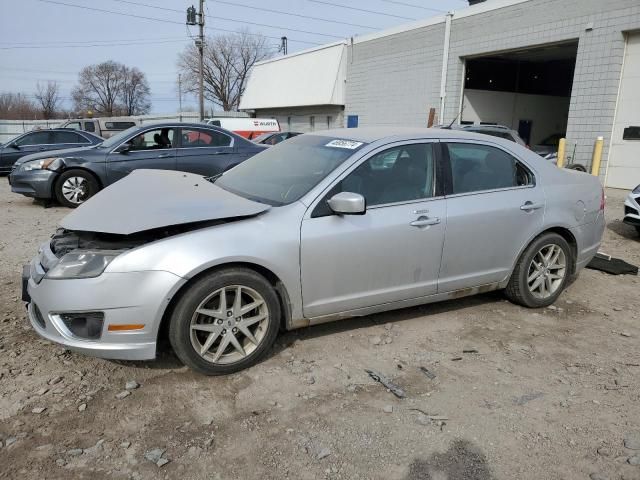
283 45
180 95
191 20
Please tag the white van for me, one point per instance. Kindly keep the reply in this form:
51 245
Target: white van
247 127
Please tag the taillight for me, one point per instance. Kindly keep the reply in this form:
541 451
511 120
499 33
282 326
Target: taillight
602 201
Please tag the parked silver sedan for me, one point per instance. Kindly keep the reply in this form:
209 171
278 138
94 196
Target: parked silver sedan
325 226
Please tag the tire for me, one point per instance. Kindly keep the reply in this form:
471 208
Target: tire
577 167
530 293
638 229
200 348
74 187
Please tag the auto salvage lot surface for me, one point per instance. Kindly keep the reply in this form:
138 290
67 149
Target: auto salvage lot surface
550 394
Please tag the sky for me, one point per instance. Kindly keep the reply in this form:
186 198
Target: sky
44 40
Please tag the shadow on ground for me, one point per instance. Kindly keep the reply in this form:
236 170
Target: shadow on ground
462 461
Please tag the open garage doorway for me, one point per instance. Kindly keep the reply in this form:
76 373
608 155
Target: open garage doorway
527 90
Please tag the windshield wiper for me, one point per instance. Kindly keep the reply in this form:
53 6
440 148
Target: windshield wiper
213 178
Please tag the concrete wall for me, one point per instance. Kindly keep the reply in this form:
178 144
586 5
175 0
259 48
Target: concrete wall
548 114
297 119
394 79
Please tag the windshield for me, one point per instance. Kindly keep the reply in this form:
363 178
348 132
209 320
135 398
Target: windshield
118 138
284 173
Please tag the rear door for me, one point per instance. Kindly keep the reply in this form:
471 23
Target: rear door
494 207
205 151
152 149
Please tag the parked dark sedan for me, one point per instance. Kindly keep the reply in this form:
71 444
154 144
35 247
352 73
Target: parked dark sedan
73 176
274 138
42 141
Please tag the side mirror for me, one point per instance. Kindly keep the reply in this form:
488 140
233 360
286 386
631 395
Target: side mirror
124 148
348 203
14 146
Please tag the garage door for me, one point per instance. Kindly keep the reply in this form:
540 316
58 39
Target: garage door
624 157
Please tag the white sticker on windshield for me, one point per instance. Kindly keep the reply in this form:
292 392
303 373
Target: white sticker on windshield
349 144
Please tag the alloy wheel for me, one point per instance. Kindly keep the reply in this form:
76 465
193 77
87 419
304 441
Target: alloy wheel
547 271
75 189
229 324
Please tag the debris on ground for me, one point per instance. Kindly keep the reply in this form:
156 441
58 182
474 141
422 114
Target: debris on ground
131 385
156 456
524 399
429 374
123 394
470 350
614 266
392 387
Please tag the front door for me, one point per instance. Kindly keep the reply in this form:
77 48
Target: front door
494 209
153 149
390 253
205 152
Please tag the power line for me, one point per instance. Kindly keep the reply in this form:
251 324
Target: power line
281 12
90 45
414 6
164 20
357 9
218 17
49 42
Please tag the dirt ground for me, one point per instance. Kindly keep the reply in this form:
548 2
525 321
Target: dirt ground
550 394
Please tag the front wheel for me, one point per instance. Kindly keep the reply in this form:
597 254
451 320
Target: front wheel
542 272
74 187
225 322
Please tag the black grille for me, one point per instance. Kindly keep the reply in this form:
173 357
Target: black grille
87 325
628 210
38 316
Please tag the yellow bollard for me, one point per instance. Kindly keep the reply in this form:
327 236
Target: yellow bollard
561 148
597 156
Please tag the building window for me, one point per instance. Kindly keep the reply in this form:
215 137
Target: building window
312 123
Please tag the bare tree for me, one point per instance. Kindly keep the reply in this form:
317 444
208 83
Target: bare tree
111 88
48 96
99 87
17 106
135 92
227 62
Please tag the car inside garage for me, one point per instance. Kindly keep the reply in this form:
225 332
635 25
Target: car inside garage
528 90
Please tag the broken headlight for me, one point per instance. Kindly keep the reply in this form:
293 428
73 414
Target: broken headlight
51 163
82 264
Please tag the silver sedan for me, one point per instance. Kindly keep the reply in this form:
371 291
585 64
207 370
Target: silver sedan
325 226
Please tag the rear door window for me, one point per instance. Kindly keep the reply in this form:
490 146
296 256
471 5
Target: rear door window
476 168
193 137
89 127
68 137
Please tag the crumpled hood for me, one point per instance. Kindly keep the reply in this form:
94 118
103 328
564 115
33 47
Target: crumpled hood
148 199
68 152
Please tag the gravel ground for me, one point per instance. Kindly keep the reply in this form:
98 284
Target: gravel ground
550 394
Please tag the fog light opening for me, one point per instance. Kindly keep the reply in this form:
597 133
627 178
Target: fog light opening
86 325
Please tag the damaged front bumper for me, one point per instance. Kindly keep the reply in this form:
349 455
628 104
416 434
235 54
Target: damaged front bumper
130 306
33 183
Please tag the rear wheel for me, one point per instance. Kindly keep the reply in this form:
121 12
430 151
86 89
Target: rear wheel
225 322
74 187
542 272
577 167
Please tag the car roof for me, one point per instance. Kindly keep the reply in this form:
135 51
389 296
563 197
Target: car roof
372 134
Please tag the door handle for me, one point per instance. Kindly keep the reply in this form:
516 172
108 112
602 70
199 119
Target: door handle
164 155
530 206
425 222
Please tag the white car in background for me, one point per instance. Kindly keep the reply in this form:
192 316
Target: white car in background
632 209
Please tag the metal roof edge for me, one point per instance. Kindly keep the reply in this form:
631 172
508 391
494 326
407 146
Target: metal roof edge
477 9
301 52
